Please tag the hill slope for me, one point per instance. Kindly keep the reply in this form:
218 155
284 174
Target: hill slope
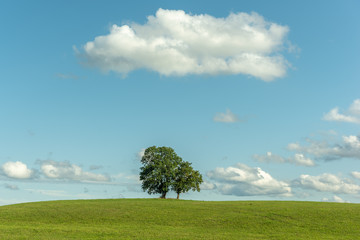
174 219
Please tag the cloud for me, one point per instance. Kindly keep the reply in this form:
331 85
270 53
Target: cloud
11 186
298 159
95 167
352 116
176 43
335 199
67 76
227 117
242 180
348 148
17 170
141 153
69 172
52 193
355 174
327 183
207 186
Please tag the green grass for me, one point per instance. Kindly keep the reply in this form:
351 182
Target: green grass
174 219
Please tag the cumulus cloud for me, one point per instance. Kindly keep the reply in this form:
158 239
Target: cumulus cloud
348 148
327 183
227 117
242 180
351 116
298 159
69 172
17 170
355 174
207 186
176 43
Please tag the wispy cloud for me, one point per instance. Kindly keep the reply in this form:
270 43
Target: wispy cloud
176 43
11 186
349 147
67 76
140 154
227 117
52 193
335 199
242 180
351 116
297 159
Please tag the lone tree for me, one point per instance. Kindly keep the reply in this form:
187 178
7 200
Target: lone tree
163 170
158 170
186 178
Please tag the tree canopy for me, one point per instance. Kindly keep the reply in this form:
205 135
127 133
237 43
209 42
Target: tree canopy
163 170
186 178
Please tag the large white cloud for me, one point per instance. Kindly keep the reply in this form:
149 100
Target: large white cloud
176 43
69 172
352 115
242 180
297 159
17 170
348 148
327 183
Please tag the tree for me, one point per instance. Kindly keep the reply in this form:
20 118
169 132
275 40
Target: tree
186 178
163 170
159 169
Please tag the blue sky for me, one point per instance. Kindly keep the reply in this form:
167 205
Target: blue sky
262 97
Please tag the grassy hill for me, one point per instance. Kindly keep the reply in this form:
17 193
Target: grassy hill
174 219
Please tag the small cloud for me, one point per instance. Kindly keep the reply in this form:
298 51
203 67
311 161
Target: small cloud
95 167
348 148
31 133
52 193
335 199
17 170
352 115
227 117
11 186
241 180
298 159
207 186
356 174
69 172
141 153
67 76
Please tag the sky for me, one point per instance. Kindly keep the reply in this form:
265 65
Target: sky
263 98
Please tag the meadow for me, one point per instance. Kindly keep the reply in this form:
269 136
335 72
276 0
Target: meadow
179 219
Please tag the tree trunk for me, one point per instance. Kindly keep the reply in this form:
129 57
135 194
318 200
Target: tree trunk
163 195
178 194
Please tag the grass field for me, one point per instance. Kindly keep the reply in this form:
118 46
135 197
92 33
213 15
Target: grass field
177 219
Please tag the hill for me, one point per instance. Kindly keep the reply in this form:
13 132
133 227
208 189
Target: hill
178 219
